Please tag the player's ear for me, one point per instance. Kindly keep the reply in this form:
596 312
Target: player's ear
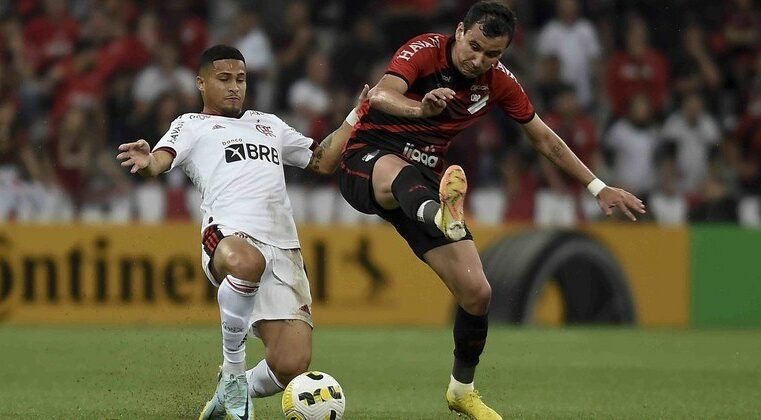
200 83
459 32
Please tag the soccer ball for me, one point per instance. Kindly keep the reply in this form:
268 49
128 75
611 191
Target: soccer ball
313 396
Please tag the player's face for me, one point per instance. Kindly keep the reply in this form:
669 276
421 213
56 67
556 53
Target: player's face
474 53
223 86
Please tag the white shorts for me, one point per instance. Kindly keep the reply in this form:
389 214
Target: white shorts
283 288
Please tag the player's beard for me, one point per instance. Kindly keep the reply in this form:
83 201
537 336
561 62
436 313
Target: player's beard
232 111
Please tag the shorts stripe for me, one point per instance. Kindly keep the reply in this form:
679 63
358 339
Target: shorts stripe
211 238
353 172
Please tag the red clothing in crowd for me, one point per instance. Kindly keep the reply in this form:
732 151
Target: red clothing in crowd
579 133
628 76
48 39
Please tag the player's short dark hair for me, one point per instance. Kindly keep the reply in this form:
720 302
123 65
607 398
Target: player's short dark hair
219 52
496 19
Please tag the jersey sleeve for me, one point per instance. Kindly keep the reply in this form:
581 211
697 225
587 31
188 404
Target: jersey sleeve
411 59
178 141
297 148
512 98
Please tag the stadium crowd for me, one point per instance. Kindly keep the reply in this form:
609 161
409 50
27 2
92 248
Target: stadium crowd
660 98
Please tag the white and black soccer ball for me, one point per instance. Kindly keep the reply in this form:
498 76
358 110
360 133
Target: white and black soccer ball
314 396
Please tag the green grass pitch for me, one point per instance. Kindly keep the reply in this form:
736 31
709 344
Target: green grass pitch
391 373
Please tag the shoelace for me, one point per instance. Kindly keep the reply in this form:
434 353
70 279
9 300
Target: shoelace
237 398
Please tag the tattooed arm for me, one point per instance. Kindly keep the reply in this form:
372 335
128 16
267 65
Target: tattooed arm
327 155
554 148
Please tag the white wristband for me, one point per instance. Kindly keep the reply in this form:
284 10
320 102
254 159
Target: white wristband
596 186
352 118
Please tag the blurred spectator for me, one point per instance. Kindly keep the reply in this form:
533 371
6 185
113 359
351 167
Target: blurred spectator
121 49
744 149
68 71
86 170
694 69
520 184
694 133
668 204
293 46
574 41
309 97
164 75
739 41
717 204
77 81
184 27
355 55
638 69
51 35
254 44
548 82
633 140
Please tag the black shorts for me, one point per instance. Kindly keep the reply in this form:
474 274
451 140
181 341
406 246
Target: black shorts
357 189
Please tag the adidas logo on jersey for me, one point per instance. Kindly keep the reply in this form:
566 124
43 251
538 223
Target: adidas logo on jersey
217 127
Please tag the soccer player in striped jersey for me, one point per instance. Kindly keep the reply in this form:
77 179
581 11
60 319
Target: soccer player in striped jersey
435 86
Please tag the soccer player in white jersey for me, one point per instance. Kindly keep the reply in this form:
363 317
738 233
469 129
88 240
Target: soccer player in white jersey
249 248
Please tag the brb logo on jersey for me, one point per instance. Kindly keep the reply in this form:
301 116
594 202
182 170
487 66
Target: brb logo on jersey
426 156
241 151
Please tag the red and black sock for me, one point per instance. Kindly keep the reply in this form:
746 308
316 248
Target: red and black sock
469 341
411 191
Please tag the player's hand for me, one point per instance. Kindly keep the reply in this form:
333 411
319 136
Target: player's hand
611 197
435 101
136 154
362 96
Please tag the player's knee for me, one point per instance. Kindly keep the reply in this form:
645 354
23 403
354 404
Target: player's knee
243 264
477 298
287 367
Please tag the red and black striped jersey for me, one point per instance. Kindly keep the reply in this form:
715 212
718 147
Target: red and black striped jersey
425 63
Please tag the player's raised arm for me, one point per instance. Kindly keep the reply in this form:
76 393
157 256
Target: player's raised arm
557 151
138 155
327 155
388 96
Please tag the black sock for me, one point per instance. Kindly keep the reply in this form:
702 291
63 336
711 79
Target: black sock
469 340
411 191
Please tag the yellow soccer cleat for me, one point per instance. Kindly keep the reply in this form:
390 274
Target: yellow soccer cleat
471 406
452 189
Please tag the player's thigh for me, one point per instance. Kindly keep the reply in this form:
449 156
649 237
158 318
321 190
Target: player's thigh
459 267
235 255
287 342
386 169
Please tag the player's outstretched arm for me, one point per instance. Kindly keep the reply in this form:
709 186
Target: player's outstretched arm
557 151
327 155
138 155
388 96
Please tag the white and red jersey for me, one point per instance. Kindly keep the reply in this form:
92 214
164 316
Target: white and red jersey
237 165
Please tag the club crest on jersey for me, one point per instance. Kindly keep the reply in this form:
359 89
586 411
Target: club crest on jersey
265 129
479 102
426 156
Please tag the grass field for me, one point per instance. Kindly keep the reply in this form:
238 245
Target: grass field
167 373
